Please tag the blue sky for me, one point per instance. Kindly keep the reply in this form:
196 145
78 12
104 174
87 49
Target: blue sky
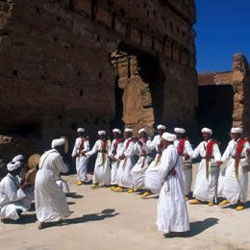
223 29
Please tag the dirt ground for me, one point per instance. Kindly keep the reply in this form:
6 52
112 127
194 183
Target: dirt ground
102 219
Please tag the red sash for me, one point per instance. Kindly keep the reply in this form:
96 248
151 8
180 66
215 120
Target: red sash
104 150
209 152
238 151
181 146
117 141
128 142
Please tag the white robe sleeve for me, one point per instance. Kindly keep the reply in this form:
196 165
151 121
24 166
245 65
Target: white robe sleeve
188 149
94 150
60 164
75 148
227 152
12 193
197 150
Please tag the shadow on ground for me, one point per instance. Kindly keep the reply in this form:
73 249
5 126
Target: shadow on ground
104 214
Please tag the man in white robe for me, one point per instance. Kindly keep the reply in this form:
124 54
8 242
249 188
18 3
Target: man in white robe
12 195
235 180
206 182
102 172
29 192
152 175
172 215
81 146
186 152
114 153
142 149
127 161
50 200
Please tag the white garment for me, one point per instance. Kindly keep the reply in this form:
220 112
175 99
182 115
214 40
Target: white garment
114 153
102 172
205 189
153 179
155 143
50 201
186 171
81 160
139 169
234 189
172 213
63 185
126 164
11 197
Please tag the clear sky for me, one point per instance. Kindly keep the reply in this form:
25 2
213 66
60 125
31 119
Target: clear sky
223 29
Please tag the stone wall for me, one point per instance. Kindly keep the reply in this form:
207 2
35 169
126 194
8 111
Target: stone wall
59 67
239 79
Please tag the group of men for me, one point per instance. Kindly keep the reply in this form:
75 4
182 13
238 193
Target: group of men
162 166
127 165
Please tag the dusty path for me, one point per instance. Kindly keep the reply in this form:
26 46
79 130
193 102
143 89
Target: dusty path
102 219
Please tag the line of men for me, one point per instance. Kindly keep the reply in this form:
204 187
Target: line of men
126 164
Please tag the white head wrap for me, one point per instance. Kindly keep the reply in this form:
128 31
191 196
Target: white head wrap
117 130
101 132
128 130
57 142
179 130
207 130
236 130
81 130
18 158
161 127
168 137
13 166
141 130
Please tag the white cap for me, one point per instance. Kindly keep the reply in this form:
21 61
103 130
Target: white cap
142 130
161 127
101 132
117 130
18 158
58 142
179 130
13 165
168 137
81 130
207 130
128 130
236 130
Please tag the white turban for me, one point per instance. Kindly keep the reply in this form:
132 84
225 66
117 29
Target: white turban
128 130
18 158
81 130
236 130
168 137
141 130
179 130
117 130
13 166
207 130
57 142
161 127
101 132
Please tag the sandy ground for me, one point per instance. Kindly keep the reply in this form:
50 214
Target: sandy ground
102 219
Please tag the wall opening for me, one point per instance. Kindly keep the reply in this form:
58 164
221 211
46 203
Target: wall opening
215 111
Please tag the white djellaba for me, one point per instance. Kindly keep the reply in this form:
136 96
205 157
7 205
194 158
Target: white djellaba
172 213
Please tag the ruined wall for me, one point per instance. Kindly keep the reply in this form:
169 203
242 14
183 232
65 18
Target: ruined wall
57 71
239 79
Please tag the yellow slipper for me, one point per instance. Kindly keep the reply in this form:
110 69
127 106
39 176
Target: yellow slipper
146 194
79 183
131 190
210 204
186 198
194 202
118 189
239 208
113 188
224 202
